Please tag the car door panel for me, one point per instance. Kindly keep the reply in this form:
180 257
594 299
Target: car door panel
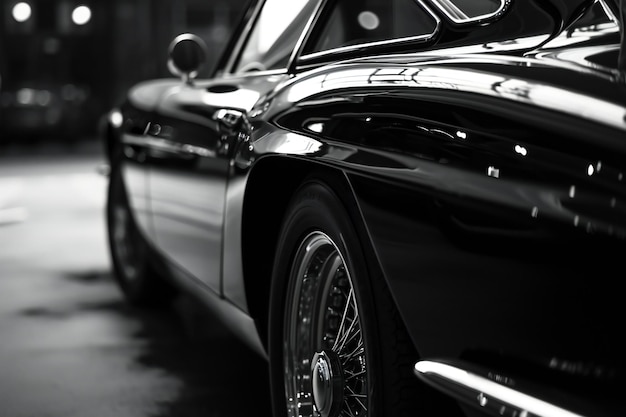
190 169
134 169
187 181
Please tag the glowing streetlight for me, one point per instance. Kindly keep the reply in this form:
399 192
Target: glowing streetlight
81 15
21 11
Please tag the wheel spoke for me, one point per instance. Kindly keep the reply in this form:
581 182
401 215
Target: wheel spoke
343 353
356 353
323 316
351 375
342 334
358 400
348 412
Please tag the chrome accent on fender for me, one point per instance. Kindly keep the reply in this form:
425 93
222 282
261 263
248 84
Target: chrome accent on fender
491 396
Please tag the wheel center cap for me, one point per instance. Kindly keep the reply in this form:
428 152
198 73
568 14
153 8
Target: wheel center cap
328 383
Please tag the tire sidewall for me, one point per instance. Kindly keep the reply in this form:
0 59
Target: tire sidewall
317 208
134 289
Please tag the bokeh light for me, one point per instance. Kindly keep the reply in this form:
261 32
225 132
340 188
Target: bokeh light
81 15
21 11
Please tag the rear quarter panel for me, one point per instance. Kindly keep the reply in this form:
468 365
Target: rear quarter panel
497 219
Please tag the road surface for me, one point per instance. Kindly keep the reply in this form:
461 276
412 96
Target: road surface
69 346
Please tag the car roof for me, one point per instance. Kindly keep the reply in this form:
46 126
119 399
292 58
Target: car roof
517 25
512 27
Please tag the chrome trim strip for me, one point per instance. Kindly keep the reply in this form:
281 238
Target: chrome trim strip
487 394
457 16
168 146
452 11
304 35
237 49
609 12
409 39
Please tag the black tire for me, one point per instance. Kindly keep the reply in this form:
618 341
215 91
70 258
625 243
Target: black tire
337 344
138 280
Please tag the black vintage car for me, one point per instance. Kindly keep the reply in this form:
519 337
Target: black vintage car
409 207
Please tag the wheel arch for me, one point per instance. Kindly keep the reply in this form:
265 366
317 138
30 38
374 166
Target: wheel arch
260 228
259 241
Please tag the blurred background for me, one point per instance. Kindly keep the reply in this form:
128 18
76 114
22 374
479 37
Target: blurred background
64 63
69 346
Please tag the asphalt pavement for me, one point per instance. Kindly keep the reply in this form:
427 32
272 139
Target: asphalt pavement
69 346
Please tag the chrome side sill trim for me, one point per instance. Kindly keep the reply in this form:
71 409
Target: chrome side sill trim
492 397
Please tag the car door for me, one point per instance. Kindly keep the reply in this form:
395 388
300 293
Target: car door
193 135
187 180
136 115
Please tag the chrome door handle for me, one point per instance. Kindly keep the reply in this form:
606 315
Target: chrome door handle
228 117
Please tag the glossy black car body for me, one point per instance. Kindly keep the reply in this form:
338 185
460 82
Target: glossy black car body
422 212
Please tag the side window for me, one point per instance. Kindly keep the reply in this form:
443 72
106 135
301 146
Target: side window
275 34
358 22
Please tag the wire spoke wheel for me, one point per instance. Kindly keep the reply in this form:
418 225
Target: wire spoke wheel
136 277
122 235
337 346
324 352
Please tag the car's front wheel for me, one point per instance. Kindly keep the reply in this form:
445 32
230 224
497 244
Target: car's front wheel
337 346
133 271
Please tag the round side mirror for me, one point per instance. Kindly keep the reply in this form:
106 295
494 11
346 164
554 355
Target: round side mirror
187 55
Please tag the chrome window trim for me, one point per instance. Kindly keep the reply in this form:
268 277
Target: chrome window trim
233 59
246 74
303 59
609 12
305 33
452 12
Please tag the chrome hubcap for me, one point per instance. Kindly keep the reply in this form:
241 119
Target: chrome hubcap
327 383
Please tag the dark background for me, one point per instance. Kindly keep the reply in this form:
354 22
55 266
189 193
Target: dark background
125 41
